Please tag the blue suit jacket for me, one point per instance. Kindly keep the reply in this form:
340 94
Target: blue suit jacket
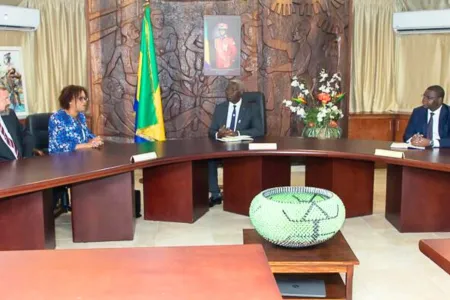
418 124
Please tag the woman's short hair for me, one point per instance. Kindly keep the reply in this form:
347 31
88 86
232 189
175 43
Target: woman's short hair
69 93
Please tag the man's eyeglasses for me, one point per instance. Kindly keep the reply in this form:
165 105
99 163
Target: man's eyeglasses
83 99
428 97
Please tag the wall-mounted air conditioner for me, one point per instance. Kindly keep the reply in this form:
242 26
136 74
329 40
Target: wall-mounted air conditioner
423 21
18 18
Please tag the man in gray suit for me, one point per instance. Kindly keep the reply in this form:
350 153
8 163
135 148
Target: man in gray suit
231 118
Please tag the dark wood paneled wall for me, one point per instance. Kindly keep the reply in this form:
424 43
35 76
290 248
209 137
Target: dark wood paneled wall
274 47
381 127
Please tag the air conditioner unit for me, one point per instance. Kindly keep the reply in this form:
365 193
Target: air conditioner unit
423 21
18 18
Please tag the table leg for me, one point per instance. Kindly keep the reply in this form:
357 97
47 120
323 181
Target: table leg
103 209
177 192
349 283
351 180
26 222
245 177
417 199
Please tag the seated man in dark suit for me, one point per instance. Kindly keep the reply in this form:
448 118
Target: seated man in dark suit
15 142
233 117
428 125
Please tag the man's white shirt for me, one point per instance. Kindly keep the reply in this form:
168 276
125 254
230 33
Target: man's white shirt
230 115
436 136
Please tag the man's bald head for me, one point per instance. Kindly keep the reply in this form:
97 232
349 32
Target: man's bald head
234 90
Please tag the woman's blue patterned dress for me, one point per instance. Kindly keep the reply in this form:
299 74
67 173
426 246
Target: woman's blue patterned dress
66 132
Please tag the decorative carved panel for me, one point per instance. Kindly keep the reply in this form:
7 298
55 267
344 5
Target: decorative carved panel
280 38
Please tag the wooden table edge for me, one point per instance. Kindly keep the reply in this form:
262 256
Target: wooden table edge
433 255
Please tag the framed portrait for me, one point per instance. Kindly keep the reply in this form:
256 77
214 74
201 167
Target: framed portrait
12 76
222 45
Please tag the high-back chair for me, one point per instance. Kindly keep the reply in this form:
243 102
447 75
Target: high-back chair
37 125
258 99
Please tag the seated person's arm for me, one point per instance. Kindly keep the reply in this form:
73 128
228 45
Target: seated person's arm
410 131
443 142
92 136
256 128
420 140
414 135
215 126
59 140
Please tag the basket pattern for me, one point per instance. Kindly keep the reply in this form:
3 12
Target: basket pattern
297 217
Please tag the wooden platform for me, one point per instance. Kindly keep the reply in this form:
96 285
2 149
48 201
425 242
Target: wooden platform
438 250
324 261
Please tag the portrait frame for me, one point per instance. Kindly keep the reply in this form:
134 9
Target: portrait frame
12 74
222 45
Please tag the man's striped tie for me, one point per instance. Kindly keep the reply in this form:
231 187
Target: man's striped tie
9 141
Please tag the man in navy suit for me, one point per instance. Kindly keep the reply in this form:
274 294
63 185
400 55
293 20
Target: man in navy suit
428 125
231 118
15 142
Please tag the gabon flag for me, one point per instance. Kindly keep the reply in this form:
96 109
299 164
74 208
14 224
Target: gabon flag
148 104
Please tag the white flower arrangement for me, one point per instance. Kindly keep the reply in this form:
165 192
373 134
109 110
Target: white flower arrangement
317 109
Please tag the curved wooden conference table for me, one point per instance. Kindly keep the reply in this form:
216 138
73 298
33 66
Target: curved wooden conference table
176 185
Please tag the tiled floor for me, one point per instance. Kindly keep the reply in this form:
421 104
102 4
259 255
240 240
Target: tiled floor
391 265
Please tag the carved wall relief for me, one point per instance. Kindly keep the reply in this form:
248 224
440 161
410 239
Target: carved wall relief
280 38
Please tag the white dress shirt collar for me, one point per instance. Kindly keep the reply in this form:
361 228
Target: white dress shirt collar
238 104
437 112
230 113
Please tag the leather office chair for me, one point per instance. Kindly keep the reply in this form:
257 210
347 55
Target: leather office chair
37 125
258 99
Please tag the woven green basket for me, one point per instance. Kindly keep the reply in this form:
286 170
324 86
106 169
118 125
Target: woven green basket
297 217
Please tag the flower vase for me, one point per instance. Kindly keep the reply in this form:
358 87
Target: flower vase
322 132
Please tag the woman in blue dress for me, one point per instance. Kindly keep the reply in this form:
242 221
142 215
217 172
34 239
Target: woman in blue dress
68 131
67 128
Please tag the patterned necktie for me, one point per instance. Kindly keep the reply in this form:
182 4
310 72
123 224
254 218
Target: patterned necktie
9 141
233 119
430 127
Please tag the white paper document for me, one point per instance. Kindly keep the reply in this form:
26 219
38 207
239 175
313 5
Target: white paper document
262 146
142 157
237 138
405 146
389 153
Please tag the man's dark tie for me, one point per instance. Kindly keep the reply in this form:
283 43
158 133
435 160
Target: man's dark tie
9 141
233 119
430 127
